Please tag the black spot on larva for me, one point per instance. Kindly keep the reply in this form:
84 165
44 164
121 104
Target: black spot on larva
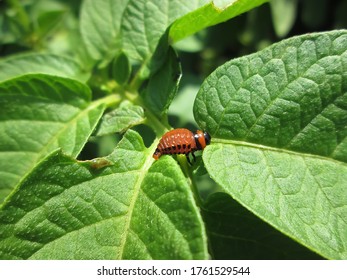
184 146
179 147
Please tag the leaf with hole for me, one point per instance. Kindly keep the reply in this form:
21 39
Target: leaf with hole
40 113
128 210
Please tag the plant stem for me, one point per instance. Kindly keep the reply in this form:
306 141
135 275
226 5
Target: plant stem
109 100
159 126
138 78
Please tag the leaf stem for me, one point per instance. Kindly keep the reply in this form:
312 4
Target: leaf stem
109 100
159 126
138 78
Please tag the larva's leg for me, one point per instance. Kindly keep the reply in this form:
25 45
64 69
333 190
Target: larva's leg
194 158
188 159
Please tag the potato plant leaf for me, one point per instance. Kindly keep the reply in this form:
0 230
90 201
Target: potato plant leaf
278 122
121 69
121 119
163 84
35 63
136 26
100 27
212 13
236 233
40 113
128 210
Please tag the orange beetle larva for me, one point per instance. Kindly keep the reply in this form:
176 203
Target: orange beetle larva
182 141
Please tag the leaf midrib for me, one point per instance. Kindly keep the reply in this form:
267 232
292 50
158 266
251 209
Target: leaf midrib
143 172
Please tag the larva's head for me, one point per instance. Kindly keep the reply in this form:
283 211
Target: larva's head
203 138
207 138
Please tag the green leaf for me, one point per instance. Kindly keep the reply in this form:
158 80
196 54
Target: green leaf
10 28
121 69
283 15
49 20
121 119
209 15
236 233
291 95
100 27
34 63
302 195
278 121
130 210
136 26
162 86
144 22
40 113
